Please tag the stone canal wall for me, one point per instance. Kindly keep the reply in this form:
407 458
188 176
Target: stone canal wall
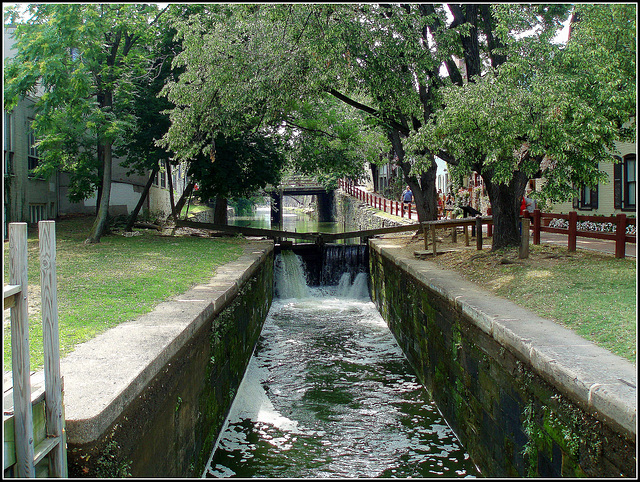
148 398
525 396
353 214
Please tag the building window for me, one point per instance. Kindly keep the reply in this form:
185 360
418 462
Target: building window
624 183
630 180
163 175
588 198
33 157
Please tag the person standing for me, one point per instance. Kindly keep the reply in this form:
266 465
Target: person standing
407 196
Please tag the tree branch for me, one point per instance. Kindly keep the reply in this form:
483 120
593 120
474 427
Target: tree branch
369 110
320 131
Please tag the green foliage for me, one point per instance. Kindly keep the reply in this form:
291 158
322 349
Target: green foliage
550 110
239 166
109 464
83 61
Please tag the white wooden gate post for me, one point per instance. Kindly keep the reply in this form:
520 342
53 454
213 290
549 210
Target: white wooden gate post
53 382
23 417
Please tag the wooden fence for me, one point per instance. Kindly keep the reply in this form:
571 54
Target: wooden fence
24 449
541 223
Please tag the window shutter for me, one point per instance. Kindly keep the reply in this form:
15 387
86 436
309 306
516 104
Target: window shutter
617 184
576 200
594 197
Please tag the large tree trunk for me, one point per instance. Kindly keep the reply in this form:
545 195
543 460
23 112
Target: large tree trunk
220 211
505 206
100 224
424 190
145 192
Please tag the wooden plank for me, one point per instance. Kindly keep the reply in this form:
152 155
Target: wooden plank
327 237
9 295
9 439
20 352
445 223
10 290
43 449
371 232
271 233
52 379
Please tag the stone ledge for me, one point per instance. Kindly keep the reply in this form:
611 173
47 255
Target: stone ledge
105 374
600 382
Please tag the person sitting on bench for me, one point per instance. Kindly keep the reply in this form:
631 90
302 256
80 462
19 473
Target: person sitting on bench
469 212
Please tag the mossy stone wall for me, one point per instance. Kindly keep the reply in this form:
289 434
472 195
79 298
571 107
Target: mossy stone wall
170 430
511 422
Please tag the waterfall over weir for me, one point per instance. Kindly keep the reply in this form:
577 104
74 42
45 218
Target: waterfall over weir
328 392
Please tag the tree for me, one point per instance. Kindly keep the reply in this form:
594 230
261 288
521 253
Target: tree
238 166
85 58
545 110
242 76
265 64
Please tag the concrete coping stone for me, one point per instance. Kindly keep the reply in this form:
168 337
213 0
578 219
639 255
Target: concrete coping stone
598 381
103 375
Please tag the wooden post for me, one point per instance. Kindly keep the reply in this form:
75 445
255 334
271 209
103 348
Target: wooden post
454 234
489 225
53 381
536 226
621 233
20 363
479 233
524 239
466 235
433 238
402 210
425 232
573 228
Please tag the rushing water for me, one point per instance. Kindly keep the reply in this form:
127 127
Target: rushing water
329 394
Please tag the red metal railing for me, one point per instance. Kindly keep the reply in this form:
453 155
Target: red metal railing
396 208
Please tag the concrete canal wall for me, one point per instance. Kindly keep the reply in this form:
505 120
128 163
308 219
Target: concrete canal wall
525 396
148 398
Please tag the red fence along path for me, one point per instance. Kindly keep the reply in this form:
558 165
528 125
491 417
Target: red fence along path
541 222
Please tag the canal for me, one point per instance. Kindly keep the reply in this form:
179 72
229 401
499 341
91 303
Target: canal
329 394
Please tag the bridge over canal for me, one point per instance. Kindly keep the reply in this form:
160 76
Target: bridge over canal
300 186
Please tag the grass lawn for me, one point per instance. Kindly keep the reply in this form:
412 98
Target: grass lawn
593 294
116 280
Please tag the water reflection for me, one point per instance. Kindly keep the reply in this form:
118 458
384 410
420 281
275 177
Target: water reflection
292 221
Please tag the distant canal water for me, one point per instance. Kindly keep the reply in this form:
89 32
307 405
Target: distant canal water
292 220
329 394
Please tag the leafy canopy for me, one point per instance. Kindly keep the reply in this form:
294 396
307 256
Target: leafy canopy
82 60
550 110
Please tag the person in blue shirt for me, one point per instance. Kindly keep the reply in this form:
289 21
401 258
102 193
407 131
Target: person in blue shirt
407 196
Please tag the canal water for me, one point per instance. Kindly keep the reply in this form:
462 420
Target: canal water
329 394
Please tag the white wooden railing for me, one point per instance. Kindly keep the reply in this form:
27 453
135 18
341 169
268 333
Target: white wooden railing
29 452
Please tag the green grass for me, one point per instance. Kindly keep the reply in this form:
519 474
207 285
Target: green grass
116 280
593 294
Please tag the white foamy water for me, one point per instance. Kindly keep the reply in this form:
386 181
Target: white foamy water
329 394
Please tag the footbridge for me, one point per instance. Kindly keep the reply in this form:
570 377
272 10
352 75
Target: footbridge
278 235
297 185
